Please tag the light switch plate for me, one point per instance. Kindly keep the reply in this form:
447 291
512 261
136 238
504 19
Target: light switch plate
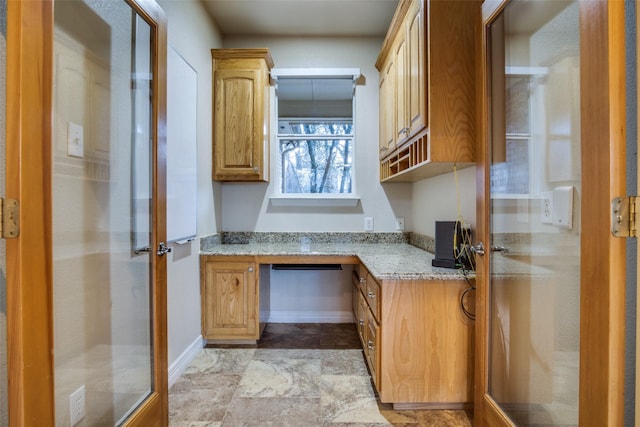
368 223
75 140
562 212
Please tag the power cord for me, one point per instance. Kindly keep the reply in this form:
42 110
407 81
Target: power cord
465 259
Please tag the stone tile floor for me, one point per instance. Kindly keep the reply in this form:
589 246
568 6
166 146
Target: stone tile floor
290 379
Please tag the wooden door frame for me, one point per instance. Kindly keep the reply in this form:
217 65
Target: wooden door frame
29 257
30 29
602 256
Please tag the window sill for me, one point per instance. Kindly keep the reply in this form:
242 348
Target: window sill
314 200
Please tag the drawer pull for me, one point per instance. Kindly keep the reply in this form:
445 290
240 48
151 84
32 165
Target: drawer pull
361 322
363 280
371 294
370 345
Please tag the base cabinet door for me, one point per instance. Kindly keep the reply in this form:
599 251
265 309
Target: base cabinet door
229 300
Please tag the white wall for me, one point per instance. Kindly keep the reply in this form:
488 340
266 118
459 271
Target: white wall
246 207
436 199
192 34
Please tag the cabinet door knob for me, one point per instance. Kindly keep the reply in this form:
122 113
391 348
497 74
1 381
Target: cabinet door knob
250 269
255 169
361 322
371 294
370 345
363 280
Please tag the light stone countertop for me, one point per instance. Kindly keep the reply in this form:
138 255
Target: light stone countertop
385 261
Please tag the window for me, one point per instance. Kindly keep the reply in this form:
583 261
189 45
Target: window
316 155
315 141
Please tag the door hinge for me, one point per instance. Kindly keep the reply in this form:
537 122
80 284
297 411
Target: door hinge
9 218
624 211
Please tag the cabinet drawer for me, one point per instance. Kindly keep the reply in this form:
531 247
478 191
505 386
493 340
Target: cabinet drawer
372 294
372 348
361 318
359 277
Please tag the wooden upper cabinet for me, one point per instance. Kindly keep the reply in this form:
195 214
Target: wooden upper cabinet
241 114
433 46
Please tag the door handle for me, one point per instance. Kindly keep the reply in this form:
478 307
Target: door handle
163 249
478 249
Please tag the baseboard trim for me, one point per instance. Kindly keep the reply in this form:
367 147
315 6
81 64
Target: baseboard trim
182 362
310 317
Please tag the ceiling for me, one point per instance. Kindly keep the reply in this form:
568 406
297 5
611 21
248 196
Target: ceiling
302 17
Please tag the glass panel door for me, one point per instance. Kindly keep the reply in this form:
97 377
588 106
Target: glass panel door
534 212
102 205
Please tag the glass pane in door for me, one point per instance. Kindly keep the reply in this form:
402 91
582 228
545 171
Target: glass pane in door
101 211
535 217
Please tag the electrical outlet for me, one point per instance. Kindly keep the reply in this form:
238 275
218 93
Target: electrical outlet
77 407
546 210
368 223
400 224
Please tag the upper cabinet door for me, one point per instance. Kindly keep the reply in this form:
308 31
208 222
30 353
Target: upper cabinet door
416 70
241 114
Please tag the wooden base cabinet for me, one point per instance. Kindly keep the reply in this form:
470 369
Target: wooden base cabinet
417 342
234 299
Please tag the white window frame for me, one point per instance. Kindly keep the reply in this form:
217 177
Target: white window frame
311 199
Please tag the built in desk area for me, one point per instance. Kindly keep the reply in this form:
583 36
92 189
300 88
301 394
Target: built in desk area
416 340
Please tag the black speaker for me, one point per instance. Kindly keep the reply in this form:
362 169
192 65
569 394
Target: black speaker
448 235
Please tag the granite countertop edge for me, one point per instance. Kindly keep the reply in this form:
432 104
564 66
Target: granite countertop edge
385 261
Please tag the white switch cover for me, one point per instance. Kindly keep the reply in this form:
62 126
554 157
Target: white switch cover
400 224
546 208
75 140
368 223
562 212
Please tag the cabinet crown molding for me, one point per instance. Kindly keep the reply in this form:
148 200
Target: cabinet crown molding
261 53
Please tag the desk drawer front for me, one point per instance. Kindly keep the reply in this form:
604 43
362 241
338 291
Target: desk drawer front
372 294
359 277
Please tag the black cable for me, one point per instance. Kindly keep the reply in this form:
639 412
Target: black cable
471 288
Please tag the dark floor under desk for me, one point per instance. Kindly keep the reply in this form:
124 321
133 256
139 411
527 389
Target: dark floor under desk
321 336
